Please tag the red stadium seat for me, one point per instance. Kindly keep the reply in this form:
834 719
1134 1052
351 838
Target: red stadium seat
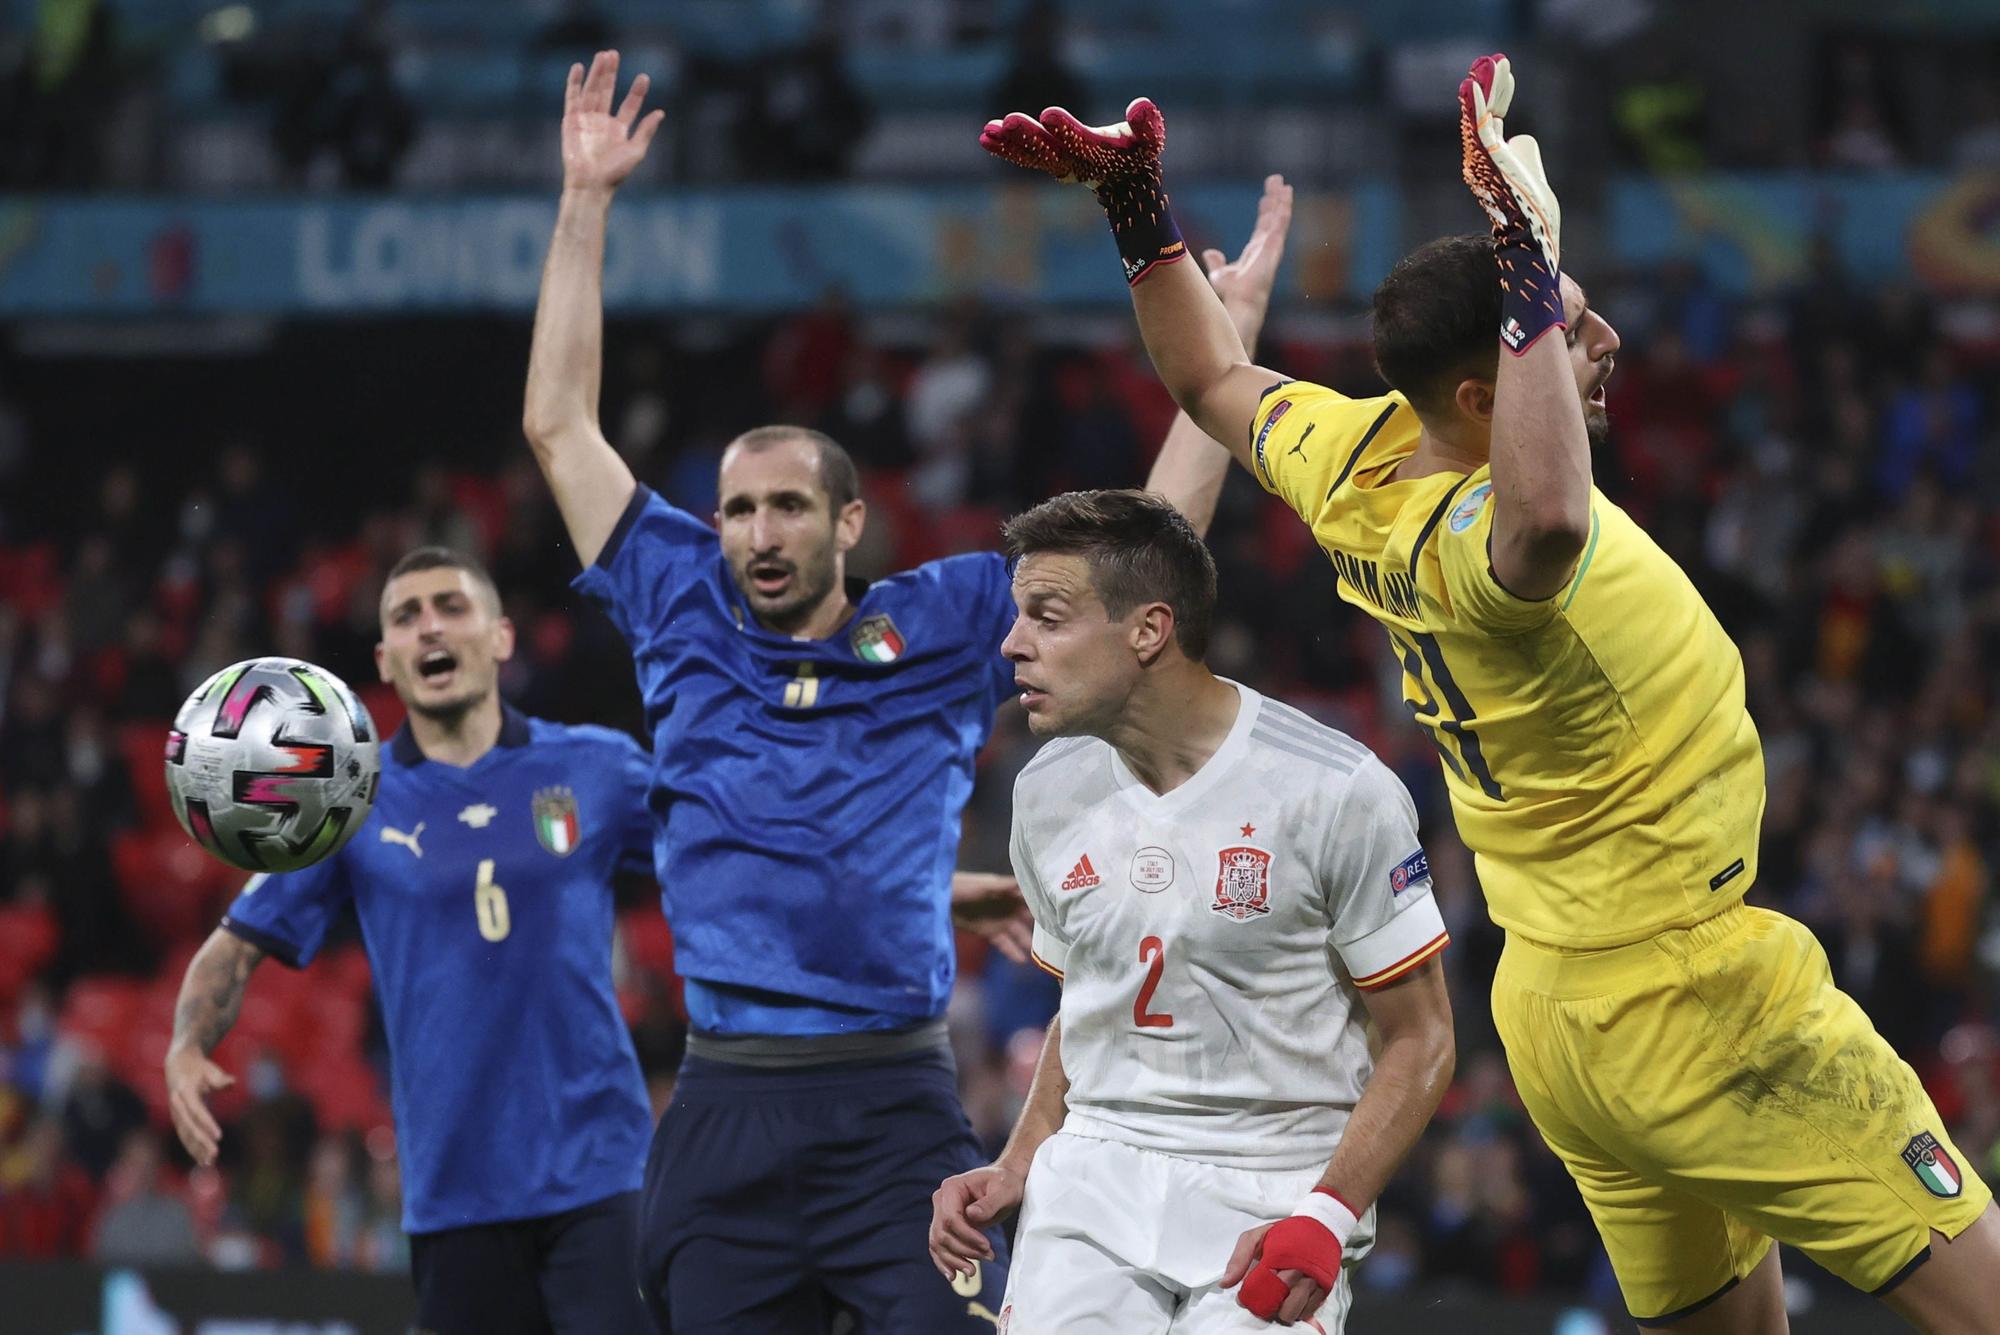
171 886
101 1009
144 747
29 936
30 579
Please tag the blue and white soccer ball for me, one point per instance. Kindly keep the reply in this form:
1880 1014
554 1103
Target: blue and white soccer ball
272 764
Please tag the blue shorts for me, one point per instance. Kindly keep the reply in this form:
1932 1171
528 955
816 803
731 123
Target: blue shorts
560 1274
776 1199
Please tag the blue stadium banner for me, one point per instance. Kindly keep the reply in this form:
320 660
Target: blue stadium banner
1755 233
737 250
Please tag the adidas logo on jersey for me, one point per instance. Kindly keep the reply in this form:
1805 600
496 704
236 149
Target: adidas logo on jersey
1082 876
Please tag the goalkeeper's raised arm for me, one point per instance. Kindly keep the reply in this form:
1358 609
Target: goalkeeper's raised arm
600 148
1190 336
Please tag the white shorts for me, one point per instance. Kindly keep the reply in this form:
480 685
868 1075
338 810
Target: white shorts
1122 1241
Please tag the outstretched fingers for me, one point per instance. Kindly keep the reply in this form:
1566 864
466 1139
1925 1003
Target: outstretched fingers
602 80
1021 140
635 98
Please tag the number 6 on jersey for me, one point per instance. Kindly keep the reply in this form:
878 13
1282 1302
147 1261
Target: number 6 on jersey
489 901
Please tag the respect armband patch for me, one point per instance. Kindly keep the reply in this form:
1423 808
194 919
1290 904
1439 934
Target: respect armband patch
1410 871
1278 410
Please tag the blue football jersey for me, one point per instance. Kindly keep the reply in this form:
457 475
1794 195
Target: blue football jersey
808 791
485 903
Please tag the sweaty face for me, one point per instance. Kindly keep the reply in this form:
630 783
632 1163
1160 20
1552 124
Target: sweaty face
779 533
443 641
1593 352
1073 663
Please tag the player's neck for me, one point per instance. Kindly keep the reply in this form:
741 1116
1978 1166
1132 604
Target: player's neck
832 613
1435 454
1174 724
462 740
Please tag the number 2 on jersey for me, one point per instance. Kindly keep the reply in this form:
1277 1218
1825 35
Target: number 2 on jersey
1423 663
489 901
1152 952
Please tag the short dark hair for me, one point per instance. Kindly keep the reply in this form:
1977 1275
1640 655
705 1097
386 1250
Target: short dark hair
1140 550
1437 320
445 558
837 475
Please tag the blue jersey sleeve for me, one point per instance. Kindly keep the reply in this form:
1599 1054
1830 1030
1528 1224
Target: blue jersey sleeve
654 550
286 914
635 827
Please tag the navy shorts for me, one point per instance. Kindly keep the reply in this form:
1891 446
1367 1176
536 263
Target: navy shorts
779 1200
560 1274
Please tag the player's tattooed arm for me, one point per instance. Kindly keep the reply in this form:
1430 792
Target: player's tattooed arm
1192 466
600 147
211 996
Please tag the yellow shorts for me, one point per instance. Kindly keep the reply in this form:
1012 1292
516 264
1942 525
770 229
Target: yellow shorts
1710 1089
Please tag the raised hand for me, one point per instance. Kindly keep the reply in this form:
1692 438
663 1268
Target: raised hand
1120 162
1507 178
1245 283
601 147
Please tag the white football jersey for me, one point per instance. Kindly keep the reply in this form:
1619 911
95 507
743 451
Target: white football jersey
1212 942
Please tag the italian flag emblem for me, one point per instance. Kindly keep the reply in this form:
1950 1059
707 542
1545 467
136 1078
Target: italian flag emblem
876 639
555 821
1933 1165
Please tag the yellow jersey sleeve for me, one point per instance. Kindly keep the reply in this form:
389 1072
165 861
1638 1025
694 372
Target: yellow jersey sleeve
1306 439
1465 560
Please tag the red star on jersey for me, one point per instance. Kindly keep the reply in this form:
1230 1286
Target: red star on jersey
1248 830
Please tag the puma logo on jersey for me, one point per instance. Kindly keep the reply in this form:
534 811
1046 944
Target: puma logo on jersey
1300 448
409 841
1082 876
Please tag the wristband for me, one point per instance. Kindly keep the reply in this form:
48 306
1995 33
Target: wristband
1530 295
1325 1205
1142 225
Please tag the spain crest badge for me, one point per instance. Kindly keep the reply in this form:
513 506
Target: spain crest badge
876 639
1243 883
556 822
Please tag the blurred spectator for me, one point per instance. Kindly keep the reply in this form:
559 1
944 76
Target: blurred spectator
333 1205
100 1114
46 1200
804 117
1037 75
343 108
145 1222
57 101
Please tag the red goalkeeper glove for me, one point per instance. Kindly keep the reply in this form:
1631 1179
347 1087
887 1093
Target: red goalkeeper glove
1310 1242
1120 162
1507 178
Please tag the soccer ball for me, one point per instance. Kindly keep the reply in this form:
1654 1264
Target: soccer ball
272 764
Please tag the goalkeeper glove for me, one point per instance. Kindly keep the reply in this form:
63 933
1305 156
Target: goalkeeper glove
1507 179
1310 1242
1120 162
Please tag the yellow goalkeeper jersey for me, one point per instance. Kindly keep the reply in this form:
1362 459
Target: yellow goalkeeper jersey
1602 767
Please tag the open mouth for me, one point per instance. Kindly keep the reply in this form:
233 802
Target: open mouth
1597 396
1031 695
770 578
437 666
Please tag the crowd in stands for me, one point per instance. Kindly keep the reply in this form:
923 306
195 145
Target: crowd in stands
1824 466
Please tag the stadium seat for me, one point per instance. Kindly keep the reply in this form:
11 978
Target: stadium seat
100 1009
29 936
170 885
143 747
